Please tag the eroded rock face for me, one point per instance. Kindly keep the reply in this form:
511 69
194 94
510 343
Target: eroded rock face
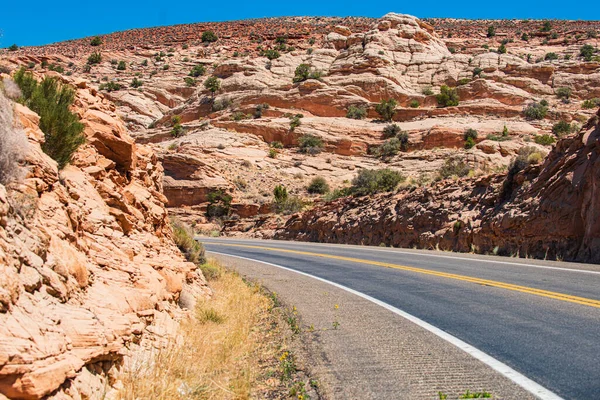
552 213
86 261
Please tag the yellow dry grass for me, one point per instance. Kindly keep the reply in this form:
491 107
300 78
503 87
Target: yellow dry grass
216 355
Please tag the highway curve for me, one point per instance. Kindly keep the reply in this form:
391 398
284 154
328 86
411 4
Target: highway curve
540 318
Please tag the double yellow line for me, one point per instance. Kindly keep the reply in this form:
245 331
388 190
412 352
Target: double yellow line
503 285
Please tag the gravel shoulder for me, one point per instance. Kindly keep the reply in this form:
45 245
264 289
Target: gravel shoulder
359 350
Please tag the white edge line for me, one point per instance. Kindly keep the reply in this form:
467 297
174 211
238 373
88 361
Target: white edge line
518 378
400 251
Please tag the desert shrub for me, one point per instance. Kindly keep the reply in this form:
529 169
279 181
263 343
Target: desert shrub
96 41
414 104
136 83
110 86
526 156
551 56
272 54
318 185
197 70
165 67
183 236
302 73
239 115
63 133
448 97
525 37
94 58
502 49
212 83
259 110
470 136
546 27
13 47
221 104
209 37
463 81
356 112
427 91
371 181
177 130
273 153
453 167
535 111
477 72
276 144
280 193
561 128
593 103
389 148
491 31
13 143
144 63
587 52
219 204
337 193
563 93
386 109
189 82
122 66
544 139
295 121
56 68
310 144
391 130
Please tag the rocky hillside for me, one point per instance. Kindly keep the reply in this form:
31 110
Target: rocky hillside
88 269
549 211
227 106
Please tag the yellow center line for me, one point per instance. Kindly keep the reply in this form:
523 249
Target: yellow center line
486 282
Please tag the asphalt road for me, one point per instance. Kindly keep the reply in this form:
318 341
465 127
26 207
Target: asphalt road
540 318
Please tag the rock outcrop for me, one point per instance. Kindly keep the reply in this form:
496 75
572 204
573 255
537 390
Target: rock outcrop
552 211
87 262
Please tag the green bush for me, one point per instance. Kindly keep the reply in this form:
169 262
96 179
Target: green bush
388 149
51 100
276 144
502 49
448 97
535 111
356 112
453 167
13 47
427 91
259 110
212 83
280 193
209 37
272 54
219 204
337 193
551 56
318 185
189 82
561 128
544 139
563 93
491 31
470 136
593 103
587 52
477 72
183 236
302 73
371 181
547 27
122 66
391 130
96 41
463 81
310 144
110 86
94 58
197 71
136 83
414 104
144 63
525 37
386 109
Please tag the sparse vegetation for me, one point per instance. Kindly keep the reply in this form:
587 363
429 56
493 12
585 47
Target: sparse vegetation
310 144
111 86
13 47
491 31
209 37
183 236
470 136
587 52
371 181
259 110
197 70
591 103
272 54
318 185
561 128
213 84
527 155
284 203
122 66
356 112
63 133
136 83
295 121
219 204
97 41
454 166
177 130
551 56
427 91
544 140
414 104
564 93
386 109
94 58
535 111
448 97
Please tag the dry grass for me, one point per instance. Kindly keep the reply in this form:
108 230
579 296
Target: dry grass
223 352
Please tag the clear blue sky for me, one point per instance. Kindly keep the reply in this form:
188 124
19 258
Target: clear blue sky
35 22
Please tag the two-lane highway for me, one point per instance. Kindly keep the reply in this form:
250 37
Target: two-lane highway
540 318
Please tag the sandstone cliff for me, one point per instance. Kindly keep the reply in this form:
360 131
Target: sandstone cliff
550 211
86 260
